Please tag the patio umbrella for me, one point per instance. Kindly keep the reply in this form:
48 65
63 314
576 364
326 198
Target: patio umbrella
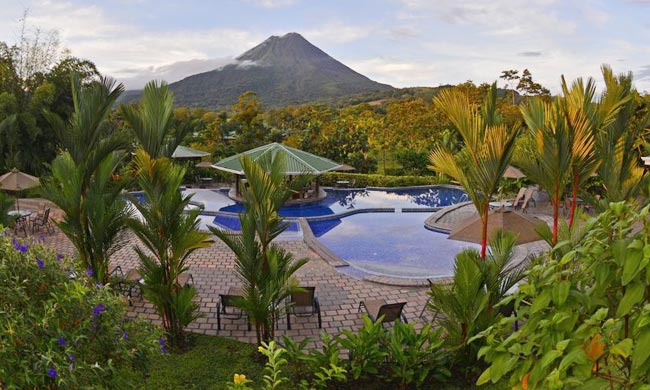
17 181
469 230
345 167
204 164
513 173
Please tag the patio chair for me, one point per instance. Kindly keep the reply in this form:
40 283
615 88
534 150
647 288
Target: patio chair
528 197
379 308
227 309
43 221
21 223
303 304
132 282
519 197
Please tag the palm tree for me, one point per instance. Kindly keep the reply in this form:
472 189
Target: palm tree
169 235
587 118
620 173
486 153
83 183
152 121
547 159
466 306
264 268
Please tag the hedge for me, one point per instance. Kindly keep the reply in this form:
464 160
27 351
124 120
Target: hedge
373 180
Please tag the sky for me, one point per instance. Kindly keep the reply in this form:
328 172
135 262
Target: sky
399 42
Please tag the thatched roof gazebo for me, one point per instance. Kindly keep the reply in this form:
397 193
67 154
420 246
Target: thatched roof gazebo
296 162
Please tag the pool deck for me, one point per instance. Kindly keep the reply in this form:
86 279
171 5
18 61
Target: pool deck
213 270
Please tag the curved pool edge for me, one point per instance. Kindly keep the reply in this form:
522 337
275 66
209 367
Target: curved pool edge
332 259
432 224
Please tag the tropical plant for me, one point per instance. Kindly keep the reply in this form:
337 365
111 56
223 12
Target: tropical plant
152 121
364 347
6 202
584 315
265 269
620 173
169 235
547 159
414 355
487 150
467 306
83 183
60 332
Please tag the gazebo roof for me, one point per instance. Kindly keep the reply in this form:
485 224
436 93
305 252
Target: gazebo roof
185 152
297 162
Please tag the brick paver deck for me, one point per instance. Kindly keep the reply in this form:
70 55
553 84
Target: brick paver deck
213 272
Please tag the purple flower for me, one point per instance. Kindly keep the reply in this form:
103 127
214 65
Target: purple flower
6 233
97 310
62 341
125 335
22 248
59 257
40 263
90 272
72 358
51 372
163 346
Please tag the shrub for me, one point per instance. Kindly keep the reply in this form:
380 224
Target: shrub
62 331
585 313
366 180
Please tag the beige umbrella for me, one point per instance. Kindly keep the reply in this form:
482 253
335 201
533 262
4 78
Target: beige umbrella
16 181
204 164
469 230
513 173
344 167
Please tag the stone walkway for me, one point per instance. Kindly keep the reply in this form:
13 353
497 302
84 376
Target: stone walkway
213 271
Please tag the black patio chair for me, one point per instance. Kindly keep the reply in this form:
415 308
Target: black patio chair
43 221
303 304
379 308
227 309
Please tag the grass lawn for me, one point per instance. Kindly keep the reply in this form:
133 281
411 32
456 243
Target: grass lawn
213 360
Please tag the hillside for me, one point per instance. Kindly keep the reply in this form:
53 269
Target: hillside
281 70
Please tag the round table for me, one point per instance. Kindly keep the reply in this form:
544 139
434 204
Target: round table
500 204
19 213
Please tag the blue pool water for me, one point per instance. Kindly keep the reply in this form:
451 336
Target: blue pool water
395 244
344 200
232 223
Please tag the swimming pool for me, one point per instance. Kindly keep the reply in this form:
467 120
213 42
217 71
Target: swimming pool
394 244
340 201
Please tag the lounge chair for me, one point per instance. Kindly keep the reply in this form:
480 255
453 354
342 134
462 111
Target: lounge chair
303 304
132 281
528 197
227 309
379 308
43 221
519 197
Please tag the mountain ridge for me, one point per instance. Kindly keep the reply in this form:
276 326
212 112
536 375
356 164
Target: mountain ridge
282 70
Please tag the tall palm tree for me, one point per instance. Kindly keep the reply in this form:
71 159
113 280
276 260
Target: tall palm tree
487 150
265 269
547 160
169 235
152 121
587 118
82 182
620 173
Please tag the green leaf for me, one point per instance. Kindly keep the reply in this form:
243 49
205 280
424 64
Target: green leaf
549 357
641 349
576 356
623 348
633 295
561 346
632 260
541 302
484 378
561 292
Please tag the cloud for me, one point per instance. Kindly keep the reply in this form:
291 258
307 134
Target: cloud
136 78
530 54
643 73
337 32
272 3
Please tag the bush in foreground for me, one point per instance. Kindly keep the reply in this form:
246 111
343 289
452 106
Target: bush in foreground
58 329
